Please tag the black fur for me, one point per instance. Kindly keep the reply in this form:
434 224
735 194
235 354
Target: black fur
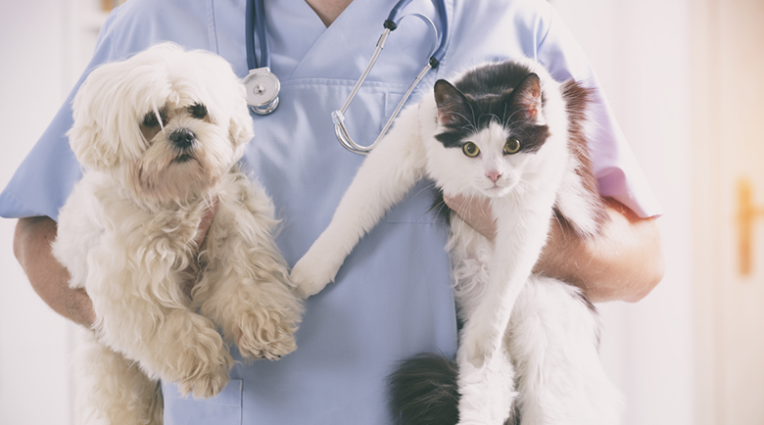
491 93
423 391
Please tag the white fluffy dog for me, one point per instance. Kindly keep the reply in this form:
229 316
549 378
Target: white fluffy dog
159 136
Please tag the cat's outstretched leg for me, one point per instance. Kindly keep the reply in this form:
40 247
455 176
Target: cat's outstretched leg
553 338
382 181
518 245
487 392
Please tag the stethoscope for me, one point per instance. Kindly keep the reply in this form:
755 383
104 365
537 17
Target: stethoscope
263 86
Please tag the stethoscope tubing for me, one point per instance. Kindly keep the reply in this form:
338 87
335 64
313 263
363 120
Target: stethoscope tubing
262 86
255 24
444 35
435 55
256 9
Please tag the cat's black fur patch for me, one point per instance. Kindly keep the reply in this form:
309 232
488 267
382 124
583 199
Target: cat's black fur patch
423 391
484 95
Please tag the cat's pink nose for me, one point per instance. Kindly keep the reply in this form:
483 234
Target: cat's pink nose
493 175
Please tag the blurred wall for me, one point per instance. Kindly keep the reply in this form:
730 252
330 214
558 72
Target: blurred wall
34 341
641 52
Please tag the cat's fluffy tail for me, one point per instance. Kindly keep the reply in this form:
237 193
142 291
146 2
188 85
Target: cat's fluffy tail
423 391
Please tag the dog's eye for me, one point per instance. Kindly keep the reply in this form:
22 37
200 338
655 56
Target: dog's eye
198 110
151 120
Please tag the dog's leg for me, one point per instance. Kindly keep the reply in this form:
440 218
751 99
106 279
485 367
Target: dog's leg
143 313
178 346
553 338
250 299
112 389
245 287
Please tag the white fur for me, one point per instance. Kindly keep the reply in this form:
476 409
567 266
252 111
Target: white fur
127 236
548 346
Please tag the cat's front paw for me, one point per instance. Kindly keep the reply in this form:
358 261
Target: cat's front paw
480 343
311 274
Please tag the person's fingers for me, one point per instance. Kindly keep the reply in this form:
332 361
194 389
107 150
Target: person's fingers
204 227
476 211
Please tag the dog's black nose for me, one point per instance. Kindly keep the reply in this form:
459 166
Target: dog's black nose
183 138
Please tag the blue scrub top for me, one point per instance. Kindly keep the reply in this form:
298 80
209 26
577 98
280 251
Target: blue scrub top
392 297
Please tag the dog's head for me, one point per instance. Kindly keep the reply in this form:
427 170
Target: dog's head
167 123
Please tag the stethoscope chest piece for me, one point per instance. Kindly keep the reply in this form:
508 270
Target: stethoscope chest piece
262 90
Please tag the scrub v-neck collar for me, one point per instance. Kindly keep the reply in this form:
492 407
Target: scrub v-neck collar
302 46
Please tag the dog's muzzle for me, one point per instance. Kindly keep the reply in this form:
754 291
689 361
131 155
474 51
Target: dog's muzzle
183 138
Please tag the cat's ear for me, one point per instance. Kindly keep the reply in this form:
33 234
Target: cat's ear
452 104
526 97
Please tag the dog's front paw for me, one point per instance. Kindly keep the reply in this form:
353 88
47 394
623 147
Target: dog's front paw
312 273
205 384
198 361
266 334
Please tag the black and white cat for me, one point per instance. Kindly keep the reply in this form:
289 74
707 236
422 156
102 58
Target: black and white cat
510 133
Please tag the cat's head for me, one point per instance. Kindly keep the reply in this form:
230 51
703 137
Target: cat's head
490 138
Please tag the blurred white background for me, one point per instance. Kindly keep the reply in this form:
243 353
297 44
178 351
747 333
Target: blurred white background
656 59
44 46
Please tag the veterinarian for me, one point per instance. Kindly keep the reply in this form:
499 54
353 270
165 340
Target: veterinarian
392 298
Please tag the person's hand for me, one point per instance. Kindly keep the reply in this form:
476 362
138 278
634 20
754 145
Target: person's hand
625 262
204 226
476 212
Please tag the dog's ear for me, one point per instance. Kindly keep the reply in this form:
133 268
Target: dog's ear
87 136
104 111
240 125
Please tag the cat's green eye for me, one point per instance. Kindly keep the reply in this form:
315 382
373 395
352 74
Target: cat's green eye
470 149
512 146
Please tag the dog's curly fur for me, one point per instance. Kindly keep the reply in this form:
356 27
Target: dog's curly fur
159 136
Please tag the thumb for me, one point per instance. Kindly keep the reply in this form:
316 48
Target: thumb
475 211
204 225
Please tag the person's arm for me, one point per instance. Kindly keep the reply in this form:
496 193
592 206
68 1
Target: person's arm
32 248
624 263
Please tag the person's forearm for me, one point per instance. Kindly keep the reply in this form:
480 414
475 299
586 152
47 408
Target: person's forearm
32 248
624 263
